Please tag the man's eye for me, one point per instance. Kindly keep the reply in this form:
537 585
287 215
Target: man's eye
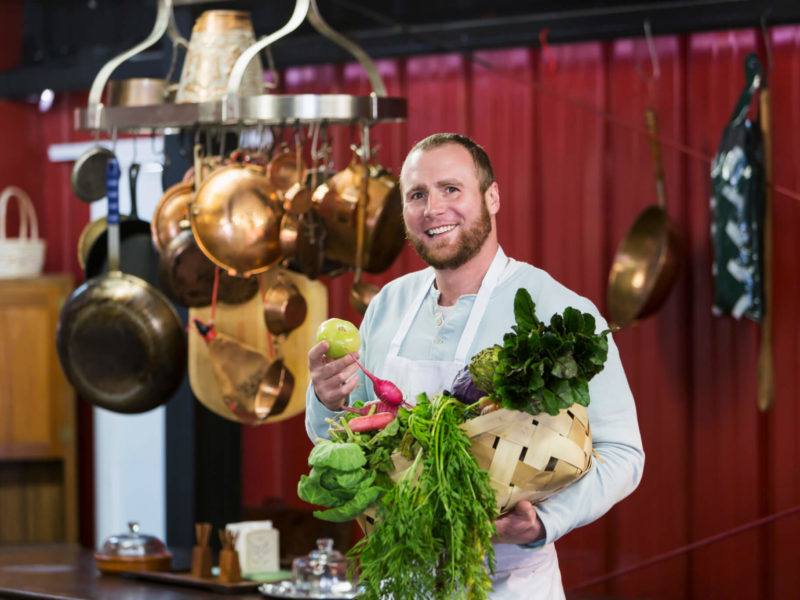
416 196
450 189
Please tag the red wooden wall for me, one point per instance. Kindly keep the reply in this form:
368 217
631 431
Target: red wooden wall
574 170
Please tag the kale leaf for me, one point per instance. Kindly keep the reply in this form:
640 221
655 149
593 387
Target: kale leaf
539 367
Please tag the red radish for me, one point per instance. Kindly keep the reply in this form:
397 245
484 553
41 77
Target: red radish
385 390
370 422
376 406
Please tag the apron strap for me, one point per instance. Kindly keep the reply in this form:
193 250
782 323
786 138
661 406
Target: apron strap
408 318
481 303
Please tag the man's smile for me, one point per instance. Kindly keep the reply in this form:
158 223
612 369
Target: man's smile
436 231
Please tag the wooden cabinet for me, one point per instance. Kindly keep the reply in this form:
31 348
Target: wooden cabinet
38 472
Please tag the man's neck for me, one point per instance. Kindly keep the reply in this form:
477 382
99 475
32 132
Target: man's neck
466 279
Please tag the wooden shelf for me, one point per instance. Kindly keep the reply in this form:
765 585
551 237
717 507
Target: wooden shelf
38 470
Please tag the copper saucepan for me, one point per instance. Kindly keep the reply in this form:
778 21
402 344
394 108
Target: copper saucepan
336 201
171 215
137 91
648 258
274 391
284 307
286 169
236 218
187 276
302 232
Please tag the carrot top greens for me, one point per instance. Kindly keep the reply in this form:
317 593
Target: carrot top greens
433 533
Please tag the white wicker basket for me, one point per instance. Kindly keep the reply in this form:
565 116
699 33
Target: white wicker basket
22 256
527 457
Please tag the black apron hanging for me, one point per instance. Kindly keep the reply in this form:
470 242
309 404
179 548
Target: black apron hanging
737 209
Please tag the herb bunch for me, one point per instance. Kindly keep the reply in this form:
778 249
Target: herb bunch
434 528
539 367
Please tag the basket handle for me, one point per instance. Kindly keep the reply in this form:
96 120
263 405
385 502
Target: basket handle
28 223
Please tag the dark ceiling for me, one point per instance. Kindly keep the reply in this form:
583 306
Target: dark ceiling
66 41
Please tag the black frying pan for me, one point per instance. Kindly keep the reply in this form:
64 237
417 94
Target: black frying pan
137 255
119 339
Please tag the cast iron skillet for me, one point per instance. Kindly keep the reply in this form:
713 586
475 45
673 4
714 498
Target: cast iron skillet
137 255
119 339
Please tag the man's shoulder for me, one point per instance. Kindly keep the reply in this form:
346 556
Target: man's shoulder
394 294
405 284
549 294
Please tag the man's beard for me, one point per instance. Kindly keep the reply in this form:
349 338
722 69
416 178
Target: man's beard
468 244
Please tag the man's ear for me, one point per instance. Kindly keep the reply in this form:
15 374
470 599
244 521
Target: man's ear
492 197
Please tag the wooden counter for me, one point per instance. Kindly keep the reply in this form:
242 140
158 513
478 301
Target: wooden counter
67 572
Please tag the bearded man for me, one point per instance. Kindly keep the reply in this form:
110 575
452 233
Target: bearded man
423 327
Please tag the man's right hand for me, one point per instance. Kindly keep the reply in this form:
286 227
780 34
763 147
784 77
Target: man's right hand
333 380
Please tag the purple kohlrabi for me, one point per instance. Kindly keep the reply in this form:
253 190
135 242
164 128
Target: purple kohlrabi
464 389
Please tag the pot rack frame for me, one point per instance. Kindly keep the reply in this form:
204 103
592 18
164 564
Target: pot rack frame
234 110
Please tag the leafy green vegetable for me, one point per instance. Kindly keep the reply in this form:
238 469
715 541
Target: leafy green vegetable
352 508
310 490
340 456
482 368
539 367
433 533
435 527
356 477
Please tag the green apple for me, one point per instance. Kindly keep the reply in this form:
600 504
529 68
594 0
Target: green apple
342 337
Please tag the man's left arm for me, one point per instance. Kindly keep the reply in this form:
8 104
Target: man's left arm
618 469
612 477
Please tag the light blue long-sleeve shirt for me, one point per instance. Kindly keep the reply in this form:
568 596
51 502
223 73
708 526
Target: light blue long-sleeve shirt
434 335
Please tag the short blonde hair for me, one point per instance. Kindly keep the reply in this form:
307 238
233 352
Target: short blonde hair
482 163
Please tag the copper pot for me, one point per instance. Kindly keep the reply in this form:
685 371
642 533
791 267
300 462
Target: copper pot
236 218
171 215
187 276
336 201
138 91
285 170
284 307
274 391
361 294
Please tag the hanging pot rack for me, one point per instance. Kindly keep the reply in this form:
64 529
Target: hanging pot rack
235 110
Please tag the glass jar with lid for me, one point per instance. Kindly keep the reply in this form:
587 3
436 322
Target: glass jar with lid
323 571
132 551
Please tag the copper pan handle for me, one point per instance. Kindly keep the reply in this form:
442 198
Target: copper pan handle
655 151
766 383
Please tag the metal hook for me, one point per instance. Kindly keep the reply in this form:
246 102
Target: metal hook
314 133
221 134
366 150
298 133
651 48
276 78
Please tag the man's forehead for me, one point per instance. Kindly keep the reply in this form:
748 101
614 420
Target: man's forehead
441 161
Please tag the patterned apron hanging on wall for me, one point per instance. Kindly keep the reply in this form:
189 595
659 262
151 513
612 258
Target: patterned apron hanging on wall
737 209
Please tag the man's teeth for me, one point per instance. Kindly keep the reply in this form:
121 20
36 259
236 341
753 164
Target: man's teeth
438 230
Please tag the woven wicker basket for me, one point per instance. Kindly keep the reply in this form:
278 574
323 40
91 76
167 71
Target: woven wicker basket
527 457
22 256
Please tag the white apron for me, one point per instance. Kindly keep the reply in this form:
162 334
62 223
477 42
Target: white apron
521 573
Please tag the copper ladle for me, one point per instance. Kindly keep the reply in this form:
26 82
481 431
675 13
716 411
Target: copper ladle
362 292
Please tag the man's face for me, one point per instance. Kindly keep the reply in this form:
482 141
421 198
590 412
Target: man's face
446 215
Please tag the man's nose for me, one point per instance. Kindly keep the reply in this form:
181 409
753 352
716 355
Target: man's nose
435 204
